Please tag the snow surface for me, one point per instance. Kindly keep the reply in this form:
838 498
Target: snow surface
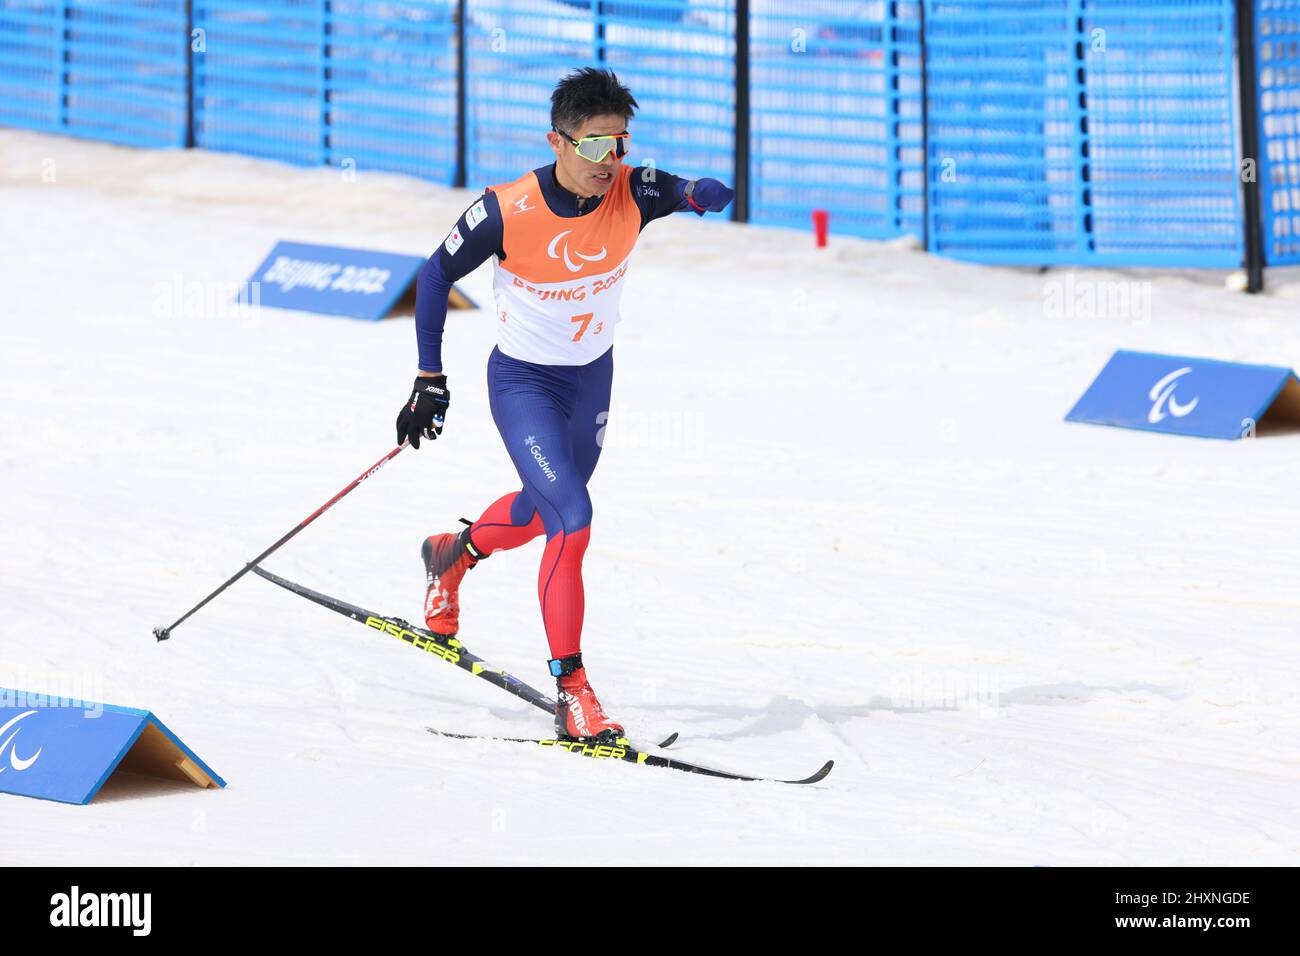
838 516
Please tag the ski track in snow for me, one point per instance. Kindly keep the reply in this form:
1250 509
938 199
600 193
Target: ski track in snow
839 516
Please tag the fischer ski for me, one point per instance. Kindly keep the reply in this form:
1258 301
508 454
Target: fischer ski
449 649
624 751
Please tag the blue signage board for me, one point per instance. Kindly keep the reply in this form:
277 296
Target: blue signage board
1180 395
358 283
55 748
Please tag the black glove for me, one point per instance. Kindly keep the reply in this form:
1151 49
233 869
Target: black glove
425 412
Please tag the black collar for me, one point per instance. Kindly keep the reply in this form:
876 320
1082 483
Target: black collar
559 200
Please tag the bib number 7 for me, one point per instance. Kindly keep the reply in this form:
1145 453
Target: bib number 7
585 319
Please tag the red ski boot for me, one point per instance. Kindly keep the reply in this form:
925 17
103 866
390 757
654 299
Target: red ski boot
446 559
578 714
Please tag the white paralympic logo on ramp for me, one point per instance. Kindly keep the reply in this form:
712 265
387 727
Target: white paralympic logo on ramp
18 763
1162 393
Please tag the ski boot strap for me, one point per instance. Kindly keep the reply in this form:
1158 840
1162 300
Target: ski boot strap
564 666
464 541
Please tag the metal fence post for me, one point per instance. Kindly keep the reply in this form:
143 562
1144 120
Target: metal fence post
889 58
600 31
189 74
1080 114
1250 192
61 116
740 177
925 130
462 99
324 76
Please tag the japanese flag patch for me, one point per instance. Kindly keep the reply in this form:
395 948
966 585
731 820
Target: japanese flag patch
454 241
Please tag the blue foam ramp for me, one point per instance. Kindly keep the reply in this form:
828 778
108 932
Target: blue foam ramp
335 280
1182 395
56 748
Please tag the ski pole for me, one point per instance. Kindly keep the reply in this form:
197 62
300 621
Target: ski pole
162 633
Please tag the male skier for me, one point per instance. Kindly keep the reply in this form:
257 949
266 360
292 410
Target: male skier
561 236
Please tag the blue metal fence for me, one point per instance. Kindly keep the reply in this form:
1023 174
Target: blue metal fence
516 51
107 69
1003 178
835 114
1082 131
1277 42
1032 131
259 78
371 82
677 56
1160 118
392 85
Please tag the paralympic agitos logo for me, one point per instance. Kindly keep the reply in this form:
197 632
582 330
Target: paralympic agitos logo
1162 394
569 263
9 759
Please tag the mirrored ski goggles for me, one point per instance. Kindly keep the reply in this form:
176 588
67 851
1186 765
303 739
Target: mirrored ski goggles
595 148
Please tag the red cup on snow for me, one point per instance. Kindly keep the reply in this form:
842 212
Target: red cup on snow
821 225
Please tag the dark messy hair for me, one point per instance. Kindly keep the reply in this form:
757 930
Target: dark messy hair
589 92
